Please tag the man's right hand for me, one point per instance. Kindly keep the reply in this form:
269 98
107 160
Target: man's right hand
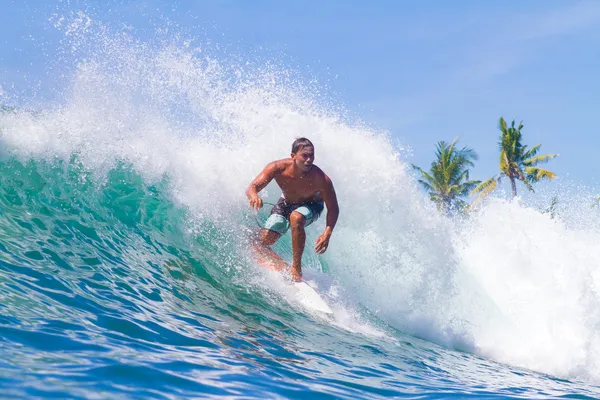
256 202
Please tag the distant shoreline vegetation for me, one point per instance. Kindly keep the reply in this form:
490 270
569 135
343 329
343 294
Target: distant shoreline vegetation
448 183
6 109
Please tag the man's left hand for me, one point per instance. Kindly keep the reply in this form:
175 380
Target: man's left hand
322 243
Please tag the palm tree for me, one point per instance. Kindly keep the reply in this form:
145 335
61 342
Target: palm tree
516 162
448 178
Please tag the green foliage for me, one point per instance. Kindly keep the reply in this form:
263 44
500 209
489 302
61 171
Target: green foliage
6 109
448 178
517 162
552 210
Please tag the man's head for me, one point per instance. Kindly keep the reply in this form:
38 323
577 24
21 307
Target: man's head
303 154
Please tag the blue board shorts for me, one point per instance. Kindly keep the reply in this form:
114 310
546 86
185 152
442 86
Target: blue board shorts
279 220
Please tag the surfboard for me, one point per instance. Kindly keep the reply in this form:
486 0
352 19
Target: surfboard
310 298
305 293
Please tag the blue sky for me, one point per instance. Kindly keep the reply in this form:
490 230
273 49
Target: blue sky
424 70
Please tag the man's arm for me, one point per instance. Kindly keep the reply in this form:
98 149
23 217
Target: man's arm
333 211
260 182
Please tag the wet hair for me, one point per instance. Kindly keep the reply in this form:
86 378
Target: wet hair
301 143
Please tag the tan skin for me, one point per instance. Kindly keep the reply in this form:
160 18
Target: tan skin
301 182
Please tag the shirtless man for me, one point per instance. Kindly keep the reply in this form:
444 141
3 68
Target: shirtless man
304 188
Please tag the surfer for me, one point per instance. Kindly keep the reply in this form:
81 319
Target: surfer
306 189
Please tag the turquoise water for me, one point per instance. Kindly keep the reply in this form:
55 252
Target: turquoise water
126 273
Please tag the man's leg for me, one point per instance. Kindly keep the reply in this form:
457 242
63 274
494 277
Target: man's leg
297 222
267 238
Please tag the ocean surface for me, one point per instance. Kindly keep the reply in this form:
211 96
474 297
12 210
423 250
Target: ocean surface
124 235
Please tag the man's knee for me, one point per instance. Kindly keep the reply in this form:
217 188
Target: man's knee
297 220
268 237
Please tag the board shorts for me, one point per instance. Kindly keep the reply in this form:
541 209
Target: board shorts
279 220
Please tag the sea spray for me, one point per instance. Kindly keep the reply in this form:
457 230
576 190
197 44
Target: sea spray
543 279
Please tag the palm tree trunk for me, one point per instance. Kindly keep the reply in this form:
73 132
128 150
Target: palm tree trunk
513 185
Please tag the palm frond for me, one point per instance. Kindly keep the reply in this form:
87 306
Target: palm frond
467 188
542 158
425 175
483 190
532 152
536 174
426 185
486 186
502 124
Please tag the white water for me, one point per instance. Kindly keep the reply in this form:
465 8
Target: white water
544 279
510 284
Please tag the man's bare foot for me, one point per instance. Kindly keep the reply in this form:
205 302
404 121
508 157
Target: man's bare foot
296 274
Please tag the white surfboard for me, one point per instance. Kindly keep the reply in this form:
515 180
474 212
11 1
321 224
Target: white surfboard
310 298
305 294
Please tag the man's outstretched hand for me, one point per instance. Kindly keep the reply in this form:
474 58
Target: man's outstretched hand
256 202
322 243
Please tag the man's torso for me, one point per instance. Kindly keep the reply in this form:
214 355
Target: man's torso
300 189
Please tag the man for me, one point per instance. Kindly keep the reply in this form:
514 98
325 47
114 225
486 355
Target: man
304 188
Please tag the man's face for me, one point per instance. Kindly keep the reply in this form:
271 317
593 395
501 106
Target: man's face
304 158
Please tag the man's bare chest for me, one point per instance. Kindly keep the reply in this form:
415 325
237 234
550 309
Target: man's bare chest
305 186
